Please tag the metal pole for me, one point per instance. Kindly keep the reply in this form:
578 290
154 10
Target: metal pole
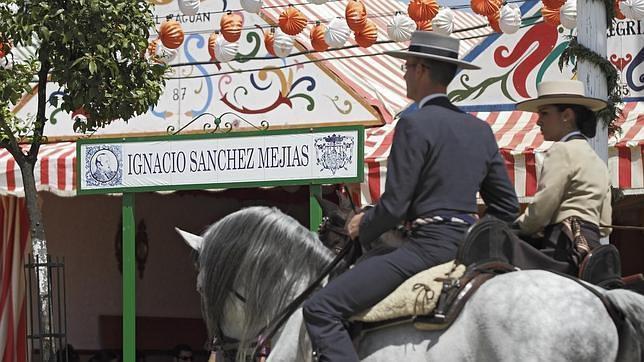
315 211
129 286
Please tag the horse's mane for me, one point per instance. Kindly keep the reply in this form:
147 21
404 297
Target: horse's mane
251 248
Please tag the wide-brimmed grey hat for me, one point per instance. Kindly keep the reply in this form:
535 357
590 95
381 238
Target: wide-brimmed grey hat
428 45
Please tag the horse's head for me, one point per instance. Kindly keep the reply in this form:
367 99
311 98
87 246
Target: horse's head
251 264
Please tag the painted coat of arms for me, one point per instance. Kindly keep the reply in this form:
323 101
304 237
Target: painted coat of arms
334 152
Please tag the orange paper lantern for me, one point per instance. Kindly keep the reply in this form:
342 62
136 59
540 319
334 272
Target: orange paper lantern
230 26
618 12
485 7
550 16
422 10
292 21
171 34
493 19
368 35
356 15
424 25
211 45
317 37
4 49
553 4
152 48
269 39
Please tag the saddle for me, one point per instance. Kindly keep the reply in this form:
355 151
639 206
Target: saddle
492 239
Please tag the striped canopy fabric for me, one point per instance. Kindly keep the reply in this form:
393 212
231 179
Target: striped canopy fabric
14 238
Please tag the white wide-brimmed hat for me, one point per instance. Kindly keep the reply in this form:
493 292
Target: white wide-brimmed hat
561 92
428 45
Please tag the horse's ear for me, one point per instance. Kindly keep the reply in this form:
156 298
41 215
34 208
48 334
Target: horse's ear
193 240
328 208
344 200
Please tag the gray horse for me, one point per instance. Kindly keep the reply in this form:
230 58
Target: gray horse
253 262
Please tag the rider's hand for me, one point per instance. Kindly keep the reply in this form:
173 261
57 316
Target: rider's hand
354 225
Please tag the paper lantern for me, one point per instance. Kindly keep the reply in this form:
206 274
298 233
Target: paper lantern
422 10
269 40
211 45
632 9
189 7
618 12
283 44
400 27
510 19
337 33
317 37
443 22
252 6
356 15
553 4
425 25
292 21
485 7
231 26
159 53
225 51
568 14
4 49
171 34
550 16
493 19
368 35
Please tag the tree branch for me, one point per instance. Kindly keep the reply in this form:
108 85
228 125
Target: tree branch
45 66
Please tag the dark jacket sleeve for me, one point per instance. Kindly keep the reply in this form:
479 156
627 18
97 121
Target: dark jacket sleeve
404 166
497 191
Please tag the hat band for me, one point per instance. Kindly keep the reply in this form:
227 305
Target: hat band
433 51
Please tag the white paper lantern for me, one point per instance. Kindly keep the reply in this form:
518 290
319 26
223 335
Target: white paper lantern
400 27
224 50
568 14
443 22
510 19
189 7
283 44
252 6
632 9
165 55
317 2
337 33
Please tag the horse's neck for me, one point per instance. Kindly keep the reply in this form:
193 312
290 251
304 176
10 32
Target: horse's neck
292 342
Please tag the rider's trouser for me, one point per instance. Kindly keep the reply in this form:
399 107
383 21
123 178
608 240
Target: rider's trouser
361 287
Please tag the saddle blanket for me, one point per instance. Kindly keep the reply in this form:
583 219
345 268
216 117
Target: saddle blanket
418 295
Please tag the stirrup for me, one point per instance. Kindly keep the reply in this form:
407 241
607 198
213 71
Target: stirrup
602 267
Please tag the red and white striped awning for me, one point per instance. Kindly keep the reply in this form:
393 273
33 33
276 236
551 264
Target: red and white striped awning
55 171
523 148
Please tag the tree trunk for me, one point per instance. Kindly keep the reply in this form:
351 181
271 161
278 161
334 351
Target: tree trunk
39 246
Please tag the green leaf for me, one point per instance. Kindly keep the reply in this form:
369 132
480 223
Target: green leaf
92 66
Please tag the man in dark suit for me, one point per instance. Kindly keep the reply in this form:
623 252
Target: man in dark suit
440 158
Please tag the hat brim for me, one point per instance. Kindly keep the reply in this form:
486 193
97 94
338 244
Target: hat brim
404 54
533 105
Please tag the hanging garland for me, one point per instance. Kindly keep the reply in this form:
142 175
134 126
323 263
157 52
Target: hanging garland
579 52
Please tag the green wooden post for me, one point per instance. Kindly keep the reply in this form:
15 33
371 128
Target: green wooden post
315 211
129 279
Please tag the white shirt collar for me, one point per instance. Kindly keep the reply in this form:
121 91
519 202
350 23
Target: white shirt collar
430 97
569 135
